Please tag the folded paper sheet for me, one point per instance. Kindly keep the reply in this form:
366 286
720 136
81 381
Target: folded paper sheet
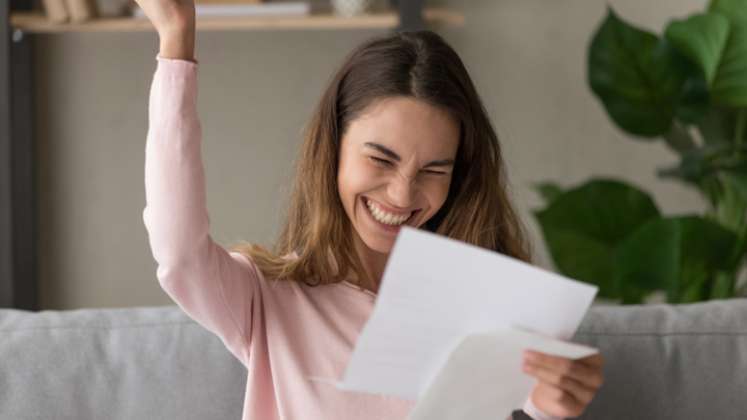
483 380
435 292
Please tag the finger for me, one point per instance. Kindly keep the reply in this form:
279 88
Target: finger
593 360
559 401
577 389
589 375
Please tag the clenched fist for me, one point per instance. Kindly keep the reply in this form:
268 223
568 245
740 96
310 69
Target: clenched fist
174 20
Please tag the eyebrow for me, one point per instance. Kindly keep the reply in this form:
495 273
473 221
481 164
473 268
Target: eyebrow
392 155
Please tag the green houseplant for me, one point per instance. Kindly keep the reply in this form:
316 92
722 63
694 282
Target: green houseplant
688 88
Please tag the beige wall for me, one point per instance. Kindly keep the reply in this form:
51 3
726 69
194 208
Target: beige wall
527 58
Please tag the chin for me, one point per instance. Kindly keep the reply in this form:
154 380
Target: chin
380 245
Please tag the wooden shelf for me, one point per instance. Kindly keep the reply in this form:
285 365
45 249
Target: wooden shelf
37 22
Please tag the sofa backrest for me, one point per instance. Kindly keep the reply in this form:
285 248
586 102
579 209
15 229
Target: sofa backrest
661 362
118 364
670 361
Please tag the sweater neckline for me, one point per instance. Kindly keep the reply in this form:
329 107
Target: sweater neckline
358 288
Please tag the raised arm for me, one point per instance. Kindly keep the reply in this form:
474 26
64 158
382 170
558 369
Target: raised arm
216 288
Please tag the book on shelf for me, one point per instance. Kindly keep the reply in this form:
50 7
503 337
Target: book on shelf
55 10
244 8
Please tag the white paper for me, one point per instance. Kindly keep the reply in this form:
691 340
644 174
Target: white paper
483 379
435 291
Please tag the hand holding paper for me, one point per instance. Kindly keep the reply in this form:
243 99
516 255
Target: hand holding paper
483 376
565 387
449 313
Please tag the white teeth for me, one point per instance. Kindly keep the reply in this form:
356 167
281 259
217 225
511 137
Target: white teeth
385 217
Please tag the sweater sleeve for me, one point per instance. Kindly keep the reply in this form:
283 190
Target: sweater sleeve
216 288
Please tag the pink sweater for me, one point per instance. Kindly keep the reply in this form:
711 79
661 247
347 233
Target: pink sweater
282 332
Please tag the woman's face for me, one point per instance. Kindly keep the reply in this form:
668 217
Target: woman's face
396 162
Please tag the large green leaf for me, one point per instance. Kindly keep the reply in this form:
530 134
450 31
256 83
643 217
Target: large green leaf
583 258
730 189
730 84
732 203
637 76
702 38
583 226
734 10
719 47
729 81
645 261
678 254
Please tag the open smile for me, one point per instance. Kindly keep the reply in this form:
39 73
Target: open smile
385 220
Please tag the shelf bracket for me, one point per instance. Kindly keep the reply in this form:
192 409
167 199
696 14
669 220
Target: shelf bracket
410 14
18 202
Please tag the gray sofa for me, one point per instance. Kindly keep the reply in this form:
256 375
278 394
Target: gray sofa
662 362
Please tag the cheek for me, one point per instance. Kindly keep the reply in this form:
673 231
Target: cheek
436 193
353 178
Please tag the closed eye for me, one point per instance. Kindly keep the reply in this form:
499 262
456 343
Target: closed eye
380 161
387 163
435 172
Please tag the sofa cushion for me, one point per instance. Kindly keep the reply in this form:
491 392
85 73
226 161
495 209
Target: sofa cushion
131 363
670 361
661 362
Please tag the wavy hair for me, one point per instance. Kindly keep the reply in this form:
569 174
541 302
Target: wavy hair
477 210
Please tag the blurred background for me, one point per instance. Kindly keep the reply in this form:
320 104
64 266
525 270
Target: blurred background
256 91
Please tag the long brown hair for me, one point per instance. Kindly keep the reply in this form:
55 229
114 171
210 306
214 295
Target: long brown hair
477 209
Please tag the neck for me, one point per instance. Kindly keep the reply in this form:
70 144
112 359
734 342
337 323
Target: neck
373 264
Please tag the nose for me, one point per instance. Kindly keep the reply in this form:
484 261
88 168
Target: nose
401 191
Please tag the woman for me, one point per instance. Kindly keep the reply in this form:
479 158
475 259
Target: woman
399 137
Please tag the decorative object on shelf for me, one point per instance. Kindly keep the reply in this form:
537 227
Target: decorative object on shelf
56 11
349 8
81 10
114 8
687 87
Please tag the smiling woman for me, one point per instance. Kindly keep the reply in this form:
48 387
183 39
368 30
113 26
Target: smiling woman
399 137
